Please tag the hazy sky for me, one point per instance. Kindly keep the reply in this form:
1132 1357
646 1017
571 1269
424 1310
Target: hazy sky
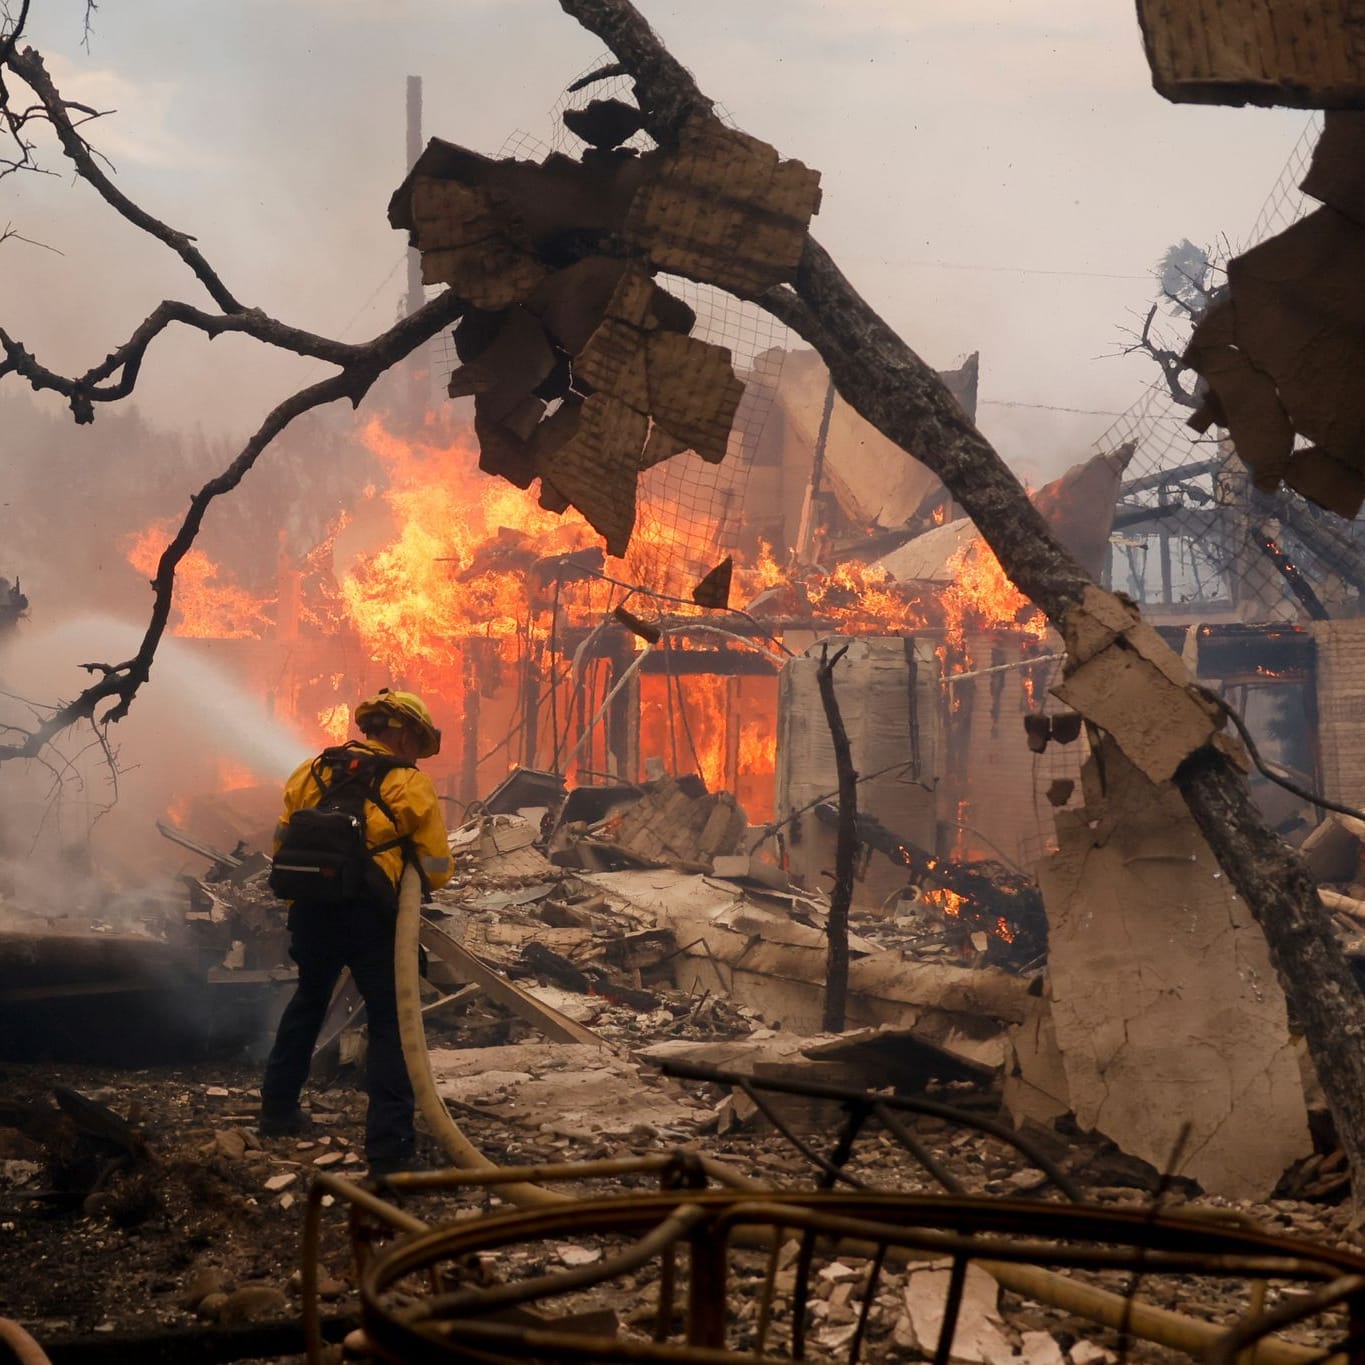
997 176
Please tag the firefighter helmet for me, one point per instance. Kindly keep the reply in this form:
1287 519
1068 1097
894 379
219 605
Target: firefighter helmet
405 709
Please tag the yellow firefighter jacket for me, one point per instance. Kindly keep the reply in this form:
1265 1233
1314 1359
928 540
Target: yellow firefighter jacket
417 816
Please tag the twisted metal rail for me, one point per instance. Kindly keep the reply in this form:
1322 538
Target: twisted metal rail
688 1238
424 1299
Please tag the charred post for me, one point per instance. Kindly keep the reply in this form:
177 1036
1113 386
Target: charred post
846 847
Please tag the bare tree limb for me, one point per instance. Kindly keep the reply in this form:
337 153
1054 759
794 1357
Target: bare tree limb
83 391
359 365
119 683
13 121
1171 363
28 65
10 40
9 234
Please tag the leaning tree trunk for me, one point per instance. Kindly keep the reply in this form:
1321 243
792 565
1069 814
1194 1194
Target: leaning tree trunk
887 383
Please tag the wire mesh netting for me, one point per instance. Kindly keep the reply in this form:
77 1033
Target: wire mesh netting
687 510
1192 536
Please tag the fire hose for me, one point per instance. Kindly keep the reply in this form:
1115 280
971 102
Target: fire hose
1160 1325
16 1345
407 979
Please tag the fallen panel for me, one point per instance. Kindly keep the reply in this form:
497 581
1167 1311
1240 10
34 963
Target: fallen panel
903 1057
554 1025
1165 1005
579 1091
784 980
1035 1076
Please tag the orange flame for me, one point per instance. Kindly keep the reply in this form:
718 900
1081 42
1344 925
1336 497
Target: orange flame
435 575
204 607
234 776
335 722
457 568
980 597
945 901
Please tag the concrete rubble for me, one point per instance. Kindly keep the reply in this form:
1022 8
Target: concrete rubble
630 922
1100 1042
641 930
569 960
555 994
569 1091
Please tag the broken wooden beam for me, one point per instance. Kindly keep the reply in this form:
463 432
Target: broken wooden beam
549 1021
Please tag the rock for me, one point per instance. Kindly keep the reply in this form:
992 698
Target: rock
1090 1353
329 1159
230 1142
1040 1348
211 1306
979 1337
839 1273
331 1289
218 1092
832 1338
576 1255
206 1280
283 1181
903 1334
253 1303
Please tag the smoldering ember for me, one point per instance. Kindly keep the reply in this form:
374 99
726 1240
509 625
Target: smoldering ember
757 880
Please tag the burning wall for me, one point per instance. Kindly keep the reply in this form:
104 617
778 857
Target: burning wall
373 553
444 580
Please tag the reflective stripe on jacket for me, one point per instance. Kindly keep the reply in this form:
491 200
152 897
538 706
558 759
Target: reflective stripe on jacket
412 799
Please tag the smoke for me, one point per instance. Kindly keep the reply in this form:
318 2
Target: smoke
79 827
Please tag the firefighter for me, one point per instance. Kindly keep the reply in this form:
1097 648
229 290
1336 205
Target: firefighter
343 908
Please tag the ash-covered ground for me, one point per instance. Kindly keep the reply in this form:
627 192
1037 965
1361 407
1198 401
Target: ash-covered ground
154 1204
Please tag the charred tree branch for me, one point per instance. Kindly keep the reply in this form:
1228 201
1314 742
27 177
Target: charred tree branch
887 383
664 87
1171 363
120 682
11 39
28 66
83 391
845 848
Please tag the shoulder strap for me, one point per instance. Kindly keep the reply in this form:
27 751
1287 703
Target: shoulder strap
353 763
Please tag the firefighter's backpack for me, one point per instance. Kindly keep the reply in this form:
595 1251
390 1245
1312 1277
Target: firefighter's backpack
324 858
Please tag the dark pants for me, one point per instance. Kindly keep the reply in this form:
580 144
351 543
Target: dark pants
325 939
